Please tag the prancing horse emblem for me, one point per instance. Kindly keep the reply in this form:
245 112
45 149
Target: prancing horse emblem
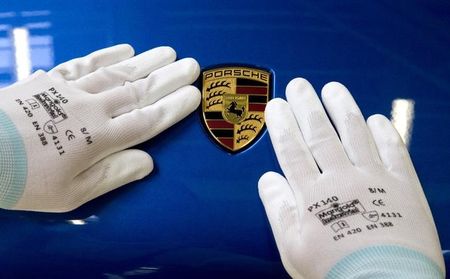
236 107
233 103
232 109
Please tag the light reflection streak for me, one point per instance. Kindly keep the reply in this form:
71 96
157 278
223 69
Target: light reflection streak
81 222
77 222
22 52
402 116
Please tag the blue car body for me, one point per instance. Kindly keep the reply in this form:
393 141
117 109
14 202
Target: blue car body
198 215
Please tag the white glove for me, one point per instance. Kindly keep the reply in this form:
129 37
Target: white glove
351 206
63 133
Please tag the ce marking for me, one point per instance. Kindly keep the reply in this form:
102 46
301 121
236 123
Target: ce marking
70 136
378 202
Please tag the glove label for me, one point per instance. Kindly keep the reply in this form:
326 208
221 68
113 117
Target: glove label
349 216
46 113
338 211
52 106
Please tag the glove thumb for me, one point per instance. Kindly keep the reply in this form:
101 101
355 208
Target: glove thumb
112 172
284 218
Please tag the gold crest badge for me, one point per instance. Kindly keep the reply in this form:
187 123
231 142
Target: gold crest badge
233 103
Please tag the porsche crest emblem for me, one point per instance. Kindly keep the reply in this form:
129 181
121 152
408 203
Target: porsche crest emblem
233 103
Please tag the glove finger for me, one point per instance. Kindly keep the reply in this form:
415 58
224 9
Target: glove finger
282 210
140 125
315 126
78 67
157 85
291 150
394 154
349 122
131 69
392 150
110 173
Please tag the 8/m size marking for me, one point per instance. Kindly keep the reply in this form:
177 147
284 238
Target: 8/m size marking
377 191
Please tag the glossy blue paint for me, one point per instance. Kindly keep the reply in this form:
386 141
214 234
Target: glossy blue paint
201 217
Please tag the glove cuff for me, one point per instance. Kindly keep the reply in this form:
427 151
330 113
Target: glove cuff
13 163
386 262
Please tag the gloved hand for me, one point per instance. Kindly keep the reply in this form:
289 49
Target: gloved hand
350 204
63 133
